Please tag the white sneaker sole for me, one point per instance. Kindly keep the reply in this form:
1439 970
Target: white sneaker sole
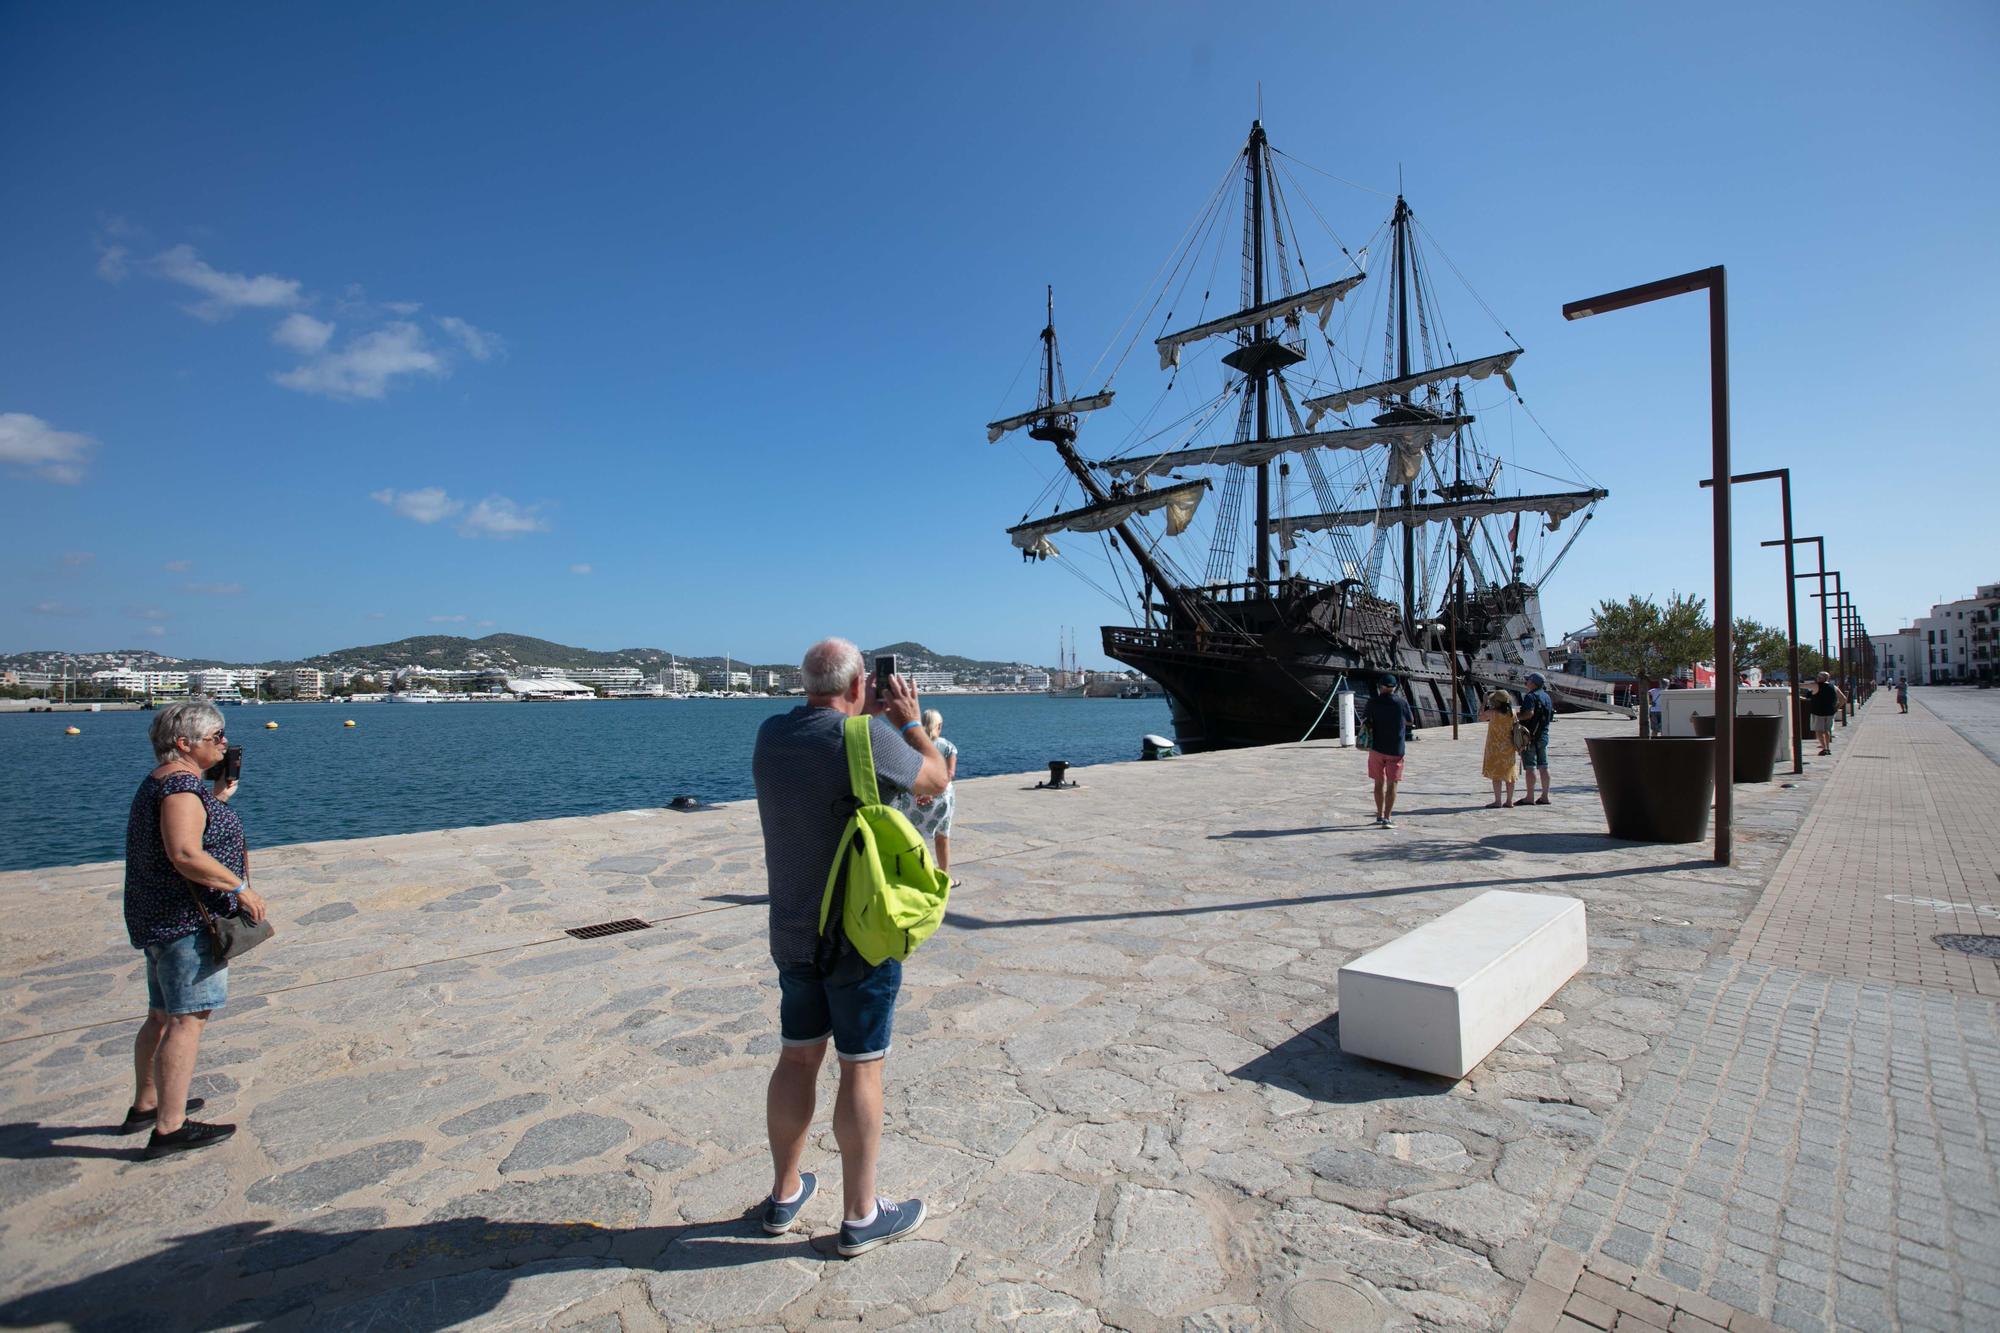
849 1251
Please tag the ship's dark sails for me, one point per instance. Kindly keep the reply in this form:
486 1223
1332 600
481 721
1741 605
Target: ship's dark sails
1400 554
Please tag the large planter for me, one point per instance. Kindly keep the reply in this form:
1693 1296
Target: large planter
1756 753
1654 790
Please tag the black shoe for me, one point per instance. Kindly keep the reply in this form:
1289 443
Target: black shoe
191 1135
136 1120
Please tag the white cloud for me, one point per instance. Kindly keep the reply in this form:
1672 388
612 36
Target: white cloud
447 620
178 566
403 308
378 615
54 609
32 444
226 293
497 516
78 559
430 504
364 365
153 613
486 624
155 631
214 589
481 345
302 333
579 569
113 262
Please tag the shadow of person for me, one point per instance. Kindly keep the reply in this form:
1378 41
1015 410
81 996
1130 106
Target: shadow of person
24 1140
1432 851
1282 832
344 1269
1553 844
1312 1065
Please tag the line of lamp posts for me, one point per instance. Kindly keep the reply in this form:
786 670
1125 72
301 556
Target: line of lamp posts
1840 623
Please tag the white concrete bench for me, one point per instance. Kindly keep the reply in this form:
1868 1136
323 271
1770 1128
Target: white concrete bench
1443 996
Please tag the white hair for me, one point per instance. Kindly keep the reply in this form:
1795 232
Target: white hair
193 720
933 723
831 667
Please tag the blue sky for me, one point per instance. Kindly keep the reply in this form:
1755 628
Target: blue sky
677 326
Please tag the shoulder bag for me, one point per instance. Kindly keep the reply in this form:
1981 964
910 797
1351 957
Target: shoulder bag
231 935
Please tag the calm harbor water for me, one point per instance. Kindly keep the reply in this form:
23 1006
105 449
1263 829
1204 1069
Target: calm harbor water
405 768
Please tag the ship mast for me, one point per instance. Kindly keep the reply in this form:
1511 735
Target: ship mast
1402 370
1256 159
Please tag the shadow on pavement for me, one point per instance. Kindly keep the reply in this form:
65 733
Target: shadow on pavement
24 1140
1312 1065
425 1276
1555 844
1427 852
1288 832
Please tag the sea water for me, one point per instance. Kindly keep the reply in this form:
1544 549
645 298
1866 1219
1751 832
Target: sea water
405 768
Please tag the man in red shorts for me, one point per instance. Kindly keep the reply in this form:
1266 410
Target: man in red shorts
1389 723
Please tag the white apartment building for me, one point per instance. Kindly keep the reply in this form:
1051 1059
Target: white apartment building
1899 656
223 682
1958 641
1035 680
609 677
149 683
932 680
715 678
298 683
679 680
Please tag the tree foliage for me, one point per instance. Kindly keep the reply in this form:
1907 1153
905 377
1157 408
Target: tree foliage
1639 637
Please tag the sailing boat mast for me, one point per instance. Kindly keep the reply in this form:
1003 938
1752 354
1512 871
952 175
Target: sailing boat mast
1256 159
1402 371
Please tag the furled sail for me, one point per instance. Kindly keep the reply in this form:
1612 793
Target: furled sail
1318 301
1472 370
1070 408
1178 500
1406 444
1556 506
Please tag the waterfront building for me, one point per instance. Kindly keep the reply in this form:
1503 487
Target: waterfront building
715 678
679 680
298 683
933 680
151 684
223 682
1958 641
624 678
1035 680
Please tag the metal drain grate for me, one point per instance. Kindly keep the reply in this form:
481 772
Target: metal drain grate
604 928
1979 946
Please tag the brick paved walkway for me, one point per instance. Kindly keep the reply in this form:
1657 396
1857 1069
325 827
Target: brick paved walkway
1813 1145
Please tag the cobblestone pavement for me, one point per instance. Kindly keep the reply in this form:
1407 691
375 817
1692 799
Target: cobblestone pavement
1814 1141
1971 712
1116 1079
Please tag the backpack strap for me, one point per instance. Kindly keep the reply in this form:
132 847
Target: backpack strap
861 759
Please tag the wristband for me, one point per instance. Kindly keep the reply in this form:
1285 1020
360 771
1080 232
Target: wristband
905 728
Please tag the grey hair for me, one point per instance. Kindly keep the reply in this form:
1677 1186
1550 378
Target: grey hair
193 719
831 667
1826 675
933 723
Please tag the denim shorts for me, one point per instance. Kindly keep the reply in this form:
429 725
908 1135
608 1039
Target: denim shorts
856 1013
184 977
1537 753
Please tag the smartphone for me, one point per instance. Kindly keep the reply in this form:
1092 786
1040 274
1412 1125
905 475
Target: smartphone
228 768
885 667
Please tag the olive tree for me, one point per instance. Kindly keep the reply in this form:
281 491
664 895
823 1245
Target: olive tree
1638 637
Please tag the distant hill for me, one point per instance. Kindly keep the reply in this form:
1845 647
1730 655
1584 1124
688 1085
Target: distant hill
451 652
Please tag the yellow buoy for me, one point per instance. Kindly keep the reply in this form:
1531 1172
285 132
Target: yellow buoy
72 731
270 726
348 723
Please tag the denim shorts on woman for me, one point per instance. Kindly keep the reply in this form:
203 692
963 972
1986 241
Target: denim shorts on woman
854 1006
184 977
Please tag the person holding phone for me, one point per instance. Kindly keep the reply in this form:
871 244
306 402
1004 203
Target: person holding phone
184 851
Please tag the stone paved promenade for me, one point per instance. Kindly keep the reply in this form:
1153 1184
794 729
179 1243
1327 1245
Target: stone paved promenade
1116 1078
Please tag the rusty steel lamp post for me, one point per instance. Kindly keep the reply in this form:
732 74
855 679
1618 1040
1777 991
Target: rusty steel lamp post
1783 476
1712 281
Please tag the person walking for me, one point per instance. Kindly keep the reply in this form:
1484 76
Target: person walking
1653 704
800 770
1501 763
1389 723
1825 702
1538 710
932 814
184 853
1903 695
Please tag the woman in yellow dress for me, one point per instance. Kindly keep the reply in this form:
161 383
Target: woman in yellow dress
1501 763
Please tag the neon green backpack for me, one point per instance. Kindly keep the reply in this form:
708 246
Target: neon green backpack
894 896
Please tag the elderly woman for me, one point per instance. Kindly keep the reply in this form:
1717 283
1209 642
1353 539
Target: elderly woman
932 814
184 850
1500 762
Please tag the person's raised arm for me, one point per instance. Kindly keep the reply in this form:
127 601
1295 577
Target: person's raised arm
900 707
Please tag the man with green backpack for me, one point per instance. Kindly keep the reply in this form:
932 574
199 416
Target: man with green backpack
849 899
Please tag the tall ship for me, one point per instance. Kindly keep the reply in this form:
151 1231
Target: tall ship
1308 503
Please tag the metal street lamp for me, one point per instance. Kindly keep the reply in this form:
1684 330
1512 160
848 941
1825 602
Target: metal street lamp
1713 281
1783 476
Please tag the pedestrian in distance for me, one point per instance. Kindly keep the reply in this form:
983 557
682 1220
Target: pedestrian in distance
802 780
1821 708
1903 695
932 814
1653 704
185 854
1389 725
1501 762
1537 712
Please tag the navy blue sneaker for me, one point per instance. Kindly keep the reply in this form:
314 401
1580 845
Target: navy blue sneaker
778 1217
893 1221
